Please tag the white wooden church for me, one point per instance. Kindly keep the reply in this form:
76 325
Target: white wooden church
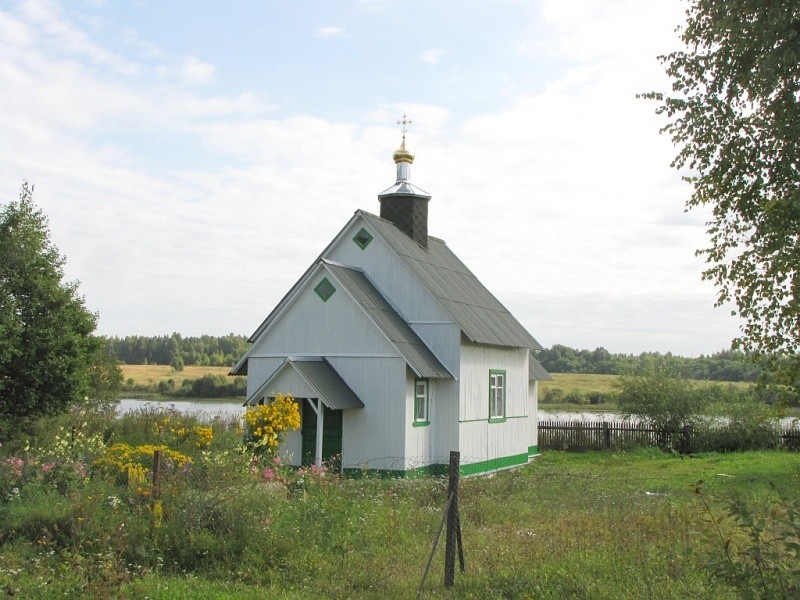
397 353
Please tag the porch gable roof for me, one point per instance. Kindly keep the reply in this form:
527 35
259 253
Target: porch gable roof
320 379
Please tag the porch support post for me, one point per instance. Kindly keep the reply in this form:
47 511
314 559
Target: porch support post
320 418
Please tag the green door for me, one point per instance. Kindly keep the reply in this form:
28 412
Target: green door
331 433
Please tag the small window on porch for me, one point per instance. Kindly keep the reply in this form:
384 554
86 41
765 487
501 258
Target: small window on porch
421 402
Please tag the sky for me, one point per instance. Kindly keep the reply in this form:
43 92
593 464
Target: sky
194 158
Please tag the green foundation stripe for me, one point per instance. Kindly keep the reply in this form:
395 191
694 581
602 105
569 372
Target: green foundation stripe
486 466
494 464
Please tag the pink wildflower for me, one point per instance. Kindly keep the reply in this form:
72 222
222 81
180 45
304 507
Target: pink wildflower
80 469
48 467
16 465
268 474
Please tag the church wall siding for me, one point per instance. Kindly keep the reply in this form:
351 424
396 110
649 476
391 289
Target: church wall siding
533 411
431 444
259 368
373 437
480 439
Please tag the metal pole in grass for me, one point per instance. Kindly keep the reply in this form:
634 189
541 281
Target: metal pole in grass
453 539
453 519
156 475
155 497
435 544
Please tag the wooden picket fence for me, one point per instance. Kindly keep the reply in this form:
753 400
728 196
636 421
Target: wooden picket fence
620 435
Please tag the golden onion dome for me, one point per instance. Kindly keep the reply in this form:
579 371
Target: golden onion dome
403 155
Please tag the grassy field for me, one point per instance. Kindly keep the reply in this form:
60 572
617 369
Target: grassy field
587 383
624 525
568 382
572 392
578 382
147 374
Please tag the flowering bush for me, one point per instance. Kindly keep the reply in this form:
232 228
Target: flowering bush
174 428
265 425
12 470
131 465
71 444
61 463
271 470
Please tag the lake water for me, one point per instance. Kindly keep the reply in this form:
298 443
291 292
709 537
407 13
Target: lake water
211 410
205 411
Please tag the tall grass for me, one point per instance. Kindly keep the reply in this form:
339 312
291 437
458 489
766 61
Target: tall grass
594 525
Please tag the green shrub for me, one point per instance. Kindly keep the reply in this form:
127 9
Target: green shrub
212 386
552 396
740 422
212 529
757 546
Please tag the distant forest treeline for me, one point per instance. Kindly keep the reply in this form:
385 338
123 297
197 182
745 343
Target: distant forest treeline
178 351
726 365
224 351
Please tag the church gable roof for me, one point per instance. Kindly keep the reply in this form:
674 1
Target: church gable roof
482 318
394 328
418 356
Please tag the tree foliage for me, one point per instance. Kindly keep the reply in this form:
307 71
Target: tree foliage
734 115
657 394
49 359
178 351
726 365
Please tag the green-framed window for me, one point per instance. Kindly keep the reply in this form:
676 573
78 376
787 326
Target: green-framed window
362 238
497 395
325 289
421 402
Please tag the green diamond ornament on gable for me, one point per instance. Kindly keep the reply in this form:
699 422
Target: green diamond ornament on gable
325 289
362 238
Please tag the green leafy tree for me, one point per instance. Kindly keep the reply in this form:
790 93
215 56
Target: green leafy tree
658 395
734 115
48 356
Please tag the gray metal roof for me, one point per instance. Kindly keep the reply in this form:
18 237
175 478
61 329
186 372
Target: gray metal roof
333 391
418 356
481 316
536 372
320 375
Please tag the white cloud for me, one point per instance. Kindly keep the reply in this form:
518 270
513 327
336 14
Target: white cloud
590 31
329 31
432 56
196 72
44 18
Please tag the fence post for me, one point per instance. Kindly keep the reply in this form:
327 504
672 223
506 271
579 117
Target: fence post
155 496
156 475
453 537
607 435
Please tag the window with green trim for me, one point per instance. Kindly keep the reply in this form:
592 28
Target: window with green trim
497 395
421 402
362 238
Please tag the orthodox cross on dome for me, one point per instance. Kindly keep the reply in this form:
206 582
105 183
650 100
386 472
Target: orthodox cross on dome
404 123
